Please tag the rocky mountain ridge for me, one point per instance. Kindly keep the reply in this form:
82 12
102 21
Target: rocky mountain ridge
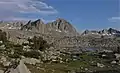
58 26
104 32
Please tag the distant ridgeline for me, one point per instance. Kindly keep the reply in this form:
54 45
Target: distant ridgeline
105 32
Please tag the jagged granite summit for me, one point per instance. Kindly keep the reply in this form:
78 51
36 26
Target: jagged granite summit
60 26
33 25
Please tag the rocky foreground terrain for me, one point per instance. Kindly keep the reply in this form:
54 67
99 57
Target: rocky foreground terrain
57 47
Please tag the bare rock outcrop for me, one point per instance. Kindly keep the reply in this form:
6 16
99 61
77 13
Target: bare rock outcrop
21 68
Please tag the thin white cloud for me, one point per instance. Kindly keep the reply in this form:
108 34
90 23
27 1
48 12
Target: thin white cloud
13 8
114 19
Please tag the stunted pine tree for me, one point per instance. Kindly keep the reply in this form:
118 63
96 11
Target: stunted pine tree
39 43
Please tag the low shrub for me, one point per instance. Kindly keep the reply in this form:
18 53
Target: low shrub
32 54
39 43
15 55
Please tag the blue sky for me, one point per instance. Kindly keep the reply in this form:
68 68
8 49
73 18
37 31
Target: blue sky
83 14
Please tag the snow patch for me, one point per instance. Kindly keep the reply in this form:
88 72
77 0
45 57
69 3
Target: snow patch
58 30
66 31
8 24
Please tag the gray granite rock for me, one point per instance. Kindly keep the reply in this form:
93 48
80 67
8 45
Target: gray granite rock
21 68
1 71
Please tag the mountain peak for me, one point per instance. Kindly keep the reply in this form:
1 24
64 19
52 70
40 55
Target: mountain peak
64 26
39 21
29 22
60 25
60 19
111 30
